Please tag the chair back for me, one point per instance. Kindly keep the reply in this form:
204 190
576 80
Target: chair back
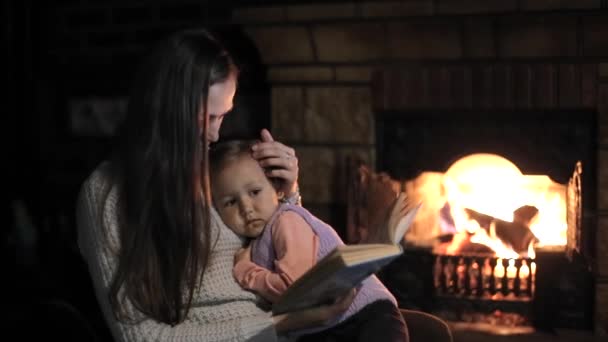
424 327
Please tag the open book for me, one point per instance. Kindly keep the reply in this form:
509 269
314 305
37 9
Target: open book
347 266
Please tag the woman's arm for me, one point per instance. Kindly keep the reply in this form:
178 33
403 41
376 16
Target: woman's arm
296 248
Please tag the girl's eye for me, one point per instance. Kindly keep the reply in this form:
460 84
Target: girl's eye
229 203
255 192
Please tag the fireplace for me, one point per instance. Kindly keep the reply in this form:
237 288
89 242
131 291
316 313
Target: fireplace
513 112
512 288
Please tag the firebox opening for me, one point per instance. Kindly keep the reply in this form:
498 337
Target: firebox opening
524 278
544 146
488 206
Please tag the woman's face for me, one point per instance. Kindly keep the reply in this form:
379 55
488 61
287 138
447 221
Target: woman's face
219 103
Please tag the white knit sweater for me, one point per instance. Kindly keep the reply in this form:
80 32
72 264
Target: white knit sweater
222 310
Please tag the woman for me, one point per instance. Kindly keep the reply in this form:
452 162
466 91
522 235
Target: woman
160 257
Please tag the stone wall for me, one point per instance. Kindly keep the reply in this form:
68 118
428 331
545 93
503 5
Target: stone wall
321 59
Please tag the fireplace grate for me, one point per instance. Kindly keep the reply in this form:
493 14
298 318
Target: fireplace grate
484 277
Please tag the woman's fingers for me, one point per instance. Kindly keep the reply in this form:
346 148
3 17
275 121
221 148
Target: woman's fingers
314 317
266 136
345 301
280 160
280 173
288 163
272 149
330 312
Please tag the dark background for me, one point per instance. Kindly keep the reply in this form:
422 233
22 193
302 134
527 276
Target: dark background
57 52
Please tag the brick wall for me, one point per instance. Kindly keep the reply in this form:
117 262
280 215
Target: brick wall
512 54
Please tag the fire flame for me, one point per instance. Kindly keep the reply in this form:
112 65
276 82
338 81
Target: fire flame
492 185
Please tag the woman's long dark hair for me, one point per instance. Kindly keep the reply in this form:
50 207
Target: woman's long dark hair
162 161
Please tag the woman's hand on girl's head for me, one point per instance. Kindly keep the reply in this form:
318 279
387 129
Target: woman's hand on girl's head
280 160
313 317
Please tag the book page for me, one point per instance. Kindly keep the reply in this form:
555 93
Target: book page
354 254
404 223
324 287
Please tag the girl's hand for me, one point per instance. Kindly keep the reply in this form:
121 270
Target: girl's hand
313 317
280 161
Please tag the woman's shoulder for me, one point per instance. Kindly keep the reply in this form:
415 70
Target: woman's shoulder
99 191
100 176
221 233
97 205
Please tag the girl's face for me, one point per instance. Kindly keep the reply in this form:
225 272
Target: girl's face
219 103
244 197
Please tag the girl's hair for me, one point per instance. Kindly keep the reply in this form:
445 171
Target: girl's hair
163 164
225 151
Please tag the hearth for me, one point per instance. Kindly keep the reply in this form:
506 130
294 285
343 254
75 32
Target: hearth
429 118
557 296
487 289
515 290
539 287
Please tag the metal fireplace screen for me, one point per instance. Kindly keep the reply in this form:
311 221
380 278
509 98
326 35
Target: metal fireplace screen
574 210
484 277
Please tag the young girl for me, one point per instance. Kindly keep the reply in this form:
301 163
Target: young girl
288 241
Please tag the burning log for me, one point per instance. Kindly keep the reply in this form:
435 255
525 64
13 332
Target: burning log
484 220
515 234
475 248
525 215
460 243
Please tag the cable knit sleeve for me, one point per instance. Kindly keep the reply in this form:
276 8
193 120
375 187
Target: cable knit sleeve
222 311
